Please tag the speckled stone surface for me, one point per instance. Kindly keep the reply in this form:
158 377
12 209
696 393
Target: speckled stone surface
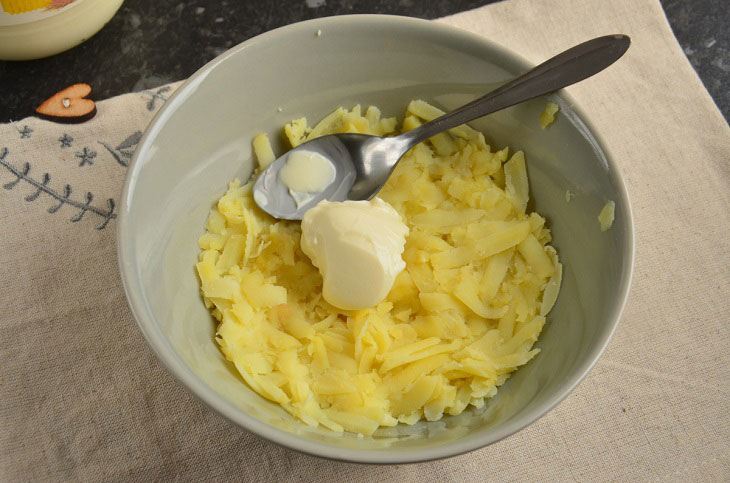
703 30
149 43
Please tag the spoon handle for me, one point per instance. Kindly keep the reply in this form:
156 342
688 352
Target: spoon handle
566 68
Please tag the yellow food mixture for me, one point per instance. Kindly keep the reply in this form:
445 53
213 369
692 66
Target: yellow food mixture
464 314
606 216
548 115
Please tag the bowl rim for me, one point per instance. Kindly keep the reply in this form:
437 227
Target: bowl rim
184 375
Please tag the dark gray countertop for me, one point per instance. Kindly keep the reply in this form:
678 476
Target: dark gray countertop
150 43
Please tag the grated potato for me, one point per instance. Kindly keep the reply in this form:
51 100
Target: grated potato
263 151
606 216
548 115
464 314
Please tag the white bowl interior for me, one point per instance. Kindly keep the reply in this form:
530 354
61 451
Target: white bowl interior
202 139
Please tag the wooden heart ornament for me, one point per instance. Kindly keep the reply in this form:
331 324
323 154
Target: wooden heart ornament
68 105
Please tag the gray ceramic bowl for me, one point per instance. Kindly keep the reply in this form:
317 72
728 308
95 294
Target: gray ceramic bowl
201 139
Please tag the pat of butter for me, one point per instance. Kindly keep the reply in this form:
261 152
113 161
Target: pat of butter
357 246
307 172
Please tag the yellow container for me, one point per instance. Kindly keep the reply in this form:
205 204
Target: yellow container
14 7
31 29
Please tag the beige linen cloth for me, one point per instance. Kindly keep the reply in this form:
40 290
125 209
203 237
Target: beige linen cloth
83 398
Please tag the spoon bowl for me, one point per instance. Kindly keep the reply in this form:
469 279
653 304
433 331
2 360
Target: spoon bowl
362 164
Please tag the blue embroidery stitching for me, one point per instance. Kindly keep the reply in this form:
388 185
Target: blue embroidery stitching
65 140
86 156
123 152
25 132
65 198
154 96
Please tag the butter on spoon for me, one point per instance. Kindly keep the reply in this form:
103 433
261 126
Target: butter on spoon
306 173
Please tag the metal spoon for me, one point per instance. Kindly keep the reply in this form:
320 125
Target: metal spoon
363 163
